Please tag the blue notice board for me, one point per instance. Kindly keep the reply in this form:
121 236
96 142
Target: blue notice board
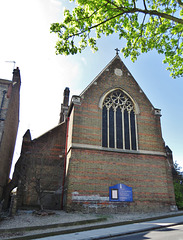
120 193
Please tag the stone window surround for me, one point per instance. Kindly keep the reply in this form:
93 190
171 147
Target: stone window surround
135 110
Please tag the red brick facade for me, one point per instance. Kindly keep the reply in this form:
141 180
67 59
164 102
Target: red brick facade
72 154
92 169
43 160
9 120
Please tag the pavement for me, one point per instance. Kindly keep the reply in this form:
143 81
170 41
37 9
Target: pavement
95 229
121 230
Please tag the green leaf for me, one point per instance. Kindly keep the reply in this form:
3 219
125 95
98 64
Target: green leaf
151 24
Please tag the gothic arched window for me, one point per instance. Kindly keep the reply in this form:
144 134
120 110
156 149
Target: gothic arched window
118 121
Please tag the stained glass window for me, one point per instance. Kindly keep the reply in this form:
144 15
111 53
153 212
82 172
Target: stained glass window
118 121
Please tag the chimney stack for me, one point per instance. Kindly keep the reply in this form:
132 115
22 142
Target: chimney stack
64 105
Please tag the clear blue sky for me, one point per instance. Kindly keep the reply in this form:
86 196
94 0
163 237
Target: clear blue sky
26 39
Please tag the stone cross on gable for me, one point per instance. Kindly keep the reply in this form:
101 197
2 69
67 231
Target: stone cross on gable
117 50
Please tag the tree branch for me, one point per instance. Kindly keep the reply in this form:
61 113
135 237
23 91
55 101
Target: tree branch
133 10
145 4
160 14
134 3
111 3
141 31
180 3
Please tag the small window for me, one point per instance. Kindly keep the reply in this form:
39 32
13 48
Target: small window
118 121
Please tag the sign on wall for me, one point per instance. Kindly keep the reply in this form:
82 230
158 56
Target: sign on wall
120 193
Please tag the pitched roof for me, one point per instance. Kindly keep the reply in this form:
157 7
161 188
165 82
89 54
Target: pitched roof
105 68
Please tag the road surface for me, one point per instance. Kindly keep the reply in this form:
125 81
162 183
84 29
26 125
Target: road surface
167 233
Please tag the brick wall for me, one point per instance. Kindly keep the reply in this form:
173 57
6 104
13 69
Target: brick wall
88 116
8 126
43 158
92 172
92 169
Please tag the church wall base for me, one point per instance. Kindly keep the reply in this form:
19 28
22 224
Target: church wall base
120 207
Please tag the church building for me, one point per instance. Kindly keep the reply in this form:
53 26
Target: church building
106 154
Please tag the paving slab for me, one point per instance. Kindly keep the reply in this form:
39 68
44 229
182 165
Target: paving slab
119 230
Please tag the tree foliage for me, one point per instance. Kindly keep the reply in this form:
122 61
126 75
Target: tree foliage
178 185
145 24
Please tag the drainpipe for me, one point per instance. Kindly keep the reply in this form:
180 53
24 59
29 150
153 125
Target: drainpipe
65 162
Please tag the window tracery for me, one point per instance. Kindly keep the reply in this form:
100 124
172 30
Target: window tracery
118 121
